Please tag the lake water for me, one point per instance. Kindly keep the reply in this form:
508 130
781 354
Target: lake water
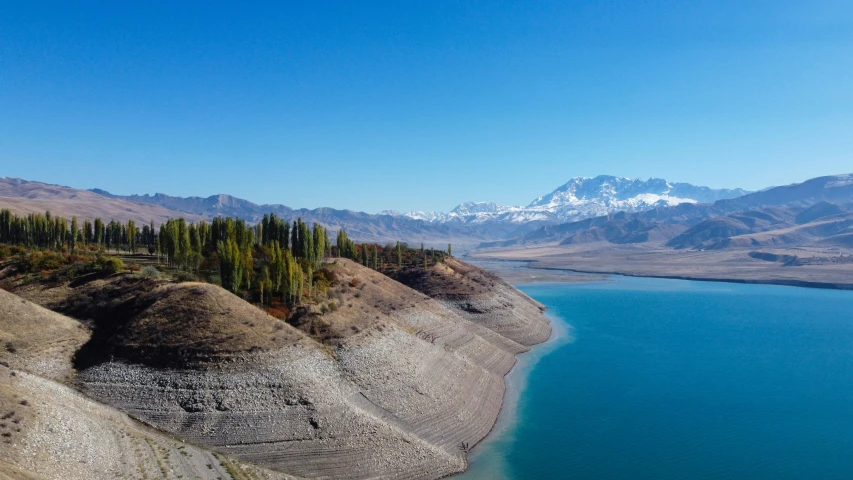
669 379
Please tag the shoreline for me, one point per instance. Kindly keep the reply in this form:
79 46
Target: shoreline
785 282
515 383
518 272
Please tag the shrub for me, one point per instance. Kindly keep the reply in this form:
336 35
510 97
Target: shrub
321 283
329 274
151 272
278 311
182 276
45 261
109 264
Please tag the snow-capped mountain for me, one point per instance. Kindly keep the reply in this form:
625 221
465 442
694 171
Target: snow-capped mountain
583 198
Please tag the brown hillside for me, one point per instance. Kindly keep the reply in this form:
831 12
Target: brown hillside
400 381
160 323
23 197
36 339
49 431
395 382
483 298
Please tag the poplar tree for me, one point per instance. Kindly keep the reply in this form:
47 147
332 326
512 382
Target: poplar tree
99 232
277 266
284 234
320 245
294 240
72 239
264 230
230 265
131 235
194 254
184 246
248 266
88 233
399 256
203 235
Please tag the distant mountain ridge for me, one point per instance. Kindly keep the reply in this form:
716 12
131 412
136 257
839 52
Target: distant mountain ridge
582 198
362 226
817 210
470 223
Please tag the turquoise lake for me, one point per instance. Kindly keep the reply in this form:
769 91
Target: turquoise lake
668 379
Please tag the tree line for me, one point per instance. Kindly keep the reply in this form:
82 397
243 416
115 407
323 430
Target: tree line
392 255
273 260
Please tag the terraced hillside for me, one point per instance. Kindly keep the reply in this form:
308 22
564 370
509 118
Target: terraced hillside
48 430
383 381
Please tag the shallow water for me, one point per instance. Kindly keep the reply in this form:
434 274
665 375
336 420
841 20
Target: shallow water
669 379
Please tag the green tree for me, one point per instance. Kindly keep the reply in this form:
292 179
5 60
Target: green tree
88 233
99 232
248 266
131 235
72 238
194 254
321 241
230 265
265 283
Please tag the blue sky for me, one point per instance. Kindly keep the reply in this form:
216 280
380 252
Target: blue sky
422 105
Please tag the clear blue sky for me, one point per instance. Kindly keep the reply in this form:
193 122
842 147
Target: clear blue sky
422 105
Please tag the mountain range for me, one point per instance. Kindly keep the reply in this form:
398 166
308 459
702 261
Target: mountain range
582 198
819 210
605 208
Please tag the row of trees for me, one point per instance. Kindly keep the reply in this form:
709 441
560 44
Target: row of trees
380 257
287 255
274 259
44 230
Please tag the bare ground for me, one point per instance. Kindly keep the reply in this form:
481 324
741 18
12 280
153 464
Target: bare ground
823 267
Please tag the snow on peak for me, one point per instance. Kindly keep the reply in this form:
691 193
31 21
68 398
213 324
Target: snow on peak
584 197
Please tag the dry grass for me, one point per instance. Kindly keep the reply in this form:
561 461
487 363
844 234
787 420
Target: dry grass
36 339
160 323
449 279
361 302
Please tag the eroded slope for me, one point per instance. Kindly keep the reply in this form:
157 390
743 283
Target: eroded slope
382 382
48 430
